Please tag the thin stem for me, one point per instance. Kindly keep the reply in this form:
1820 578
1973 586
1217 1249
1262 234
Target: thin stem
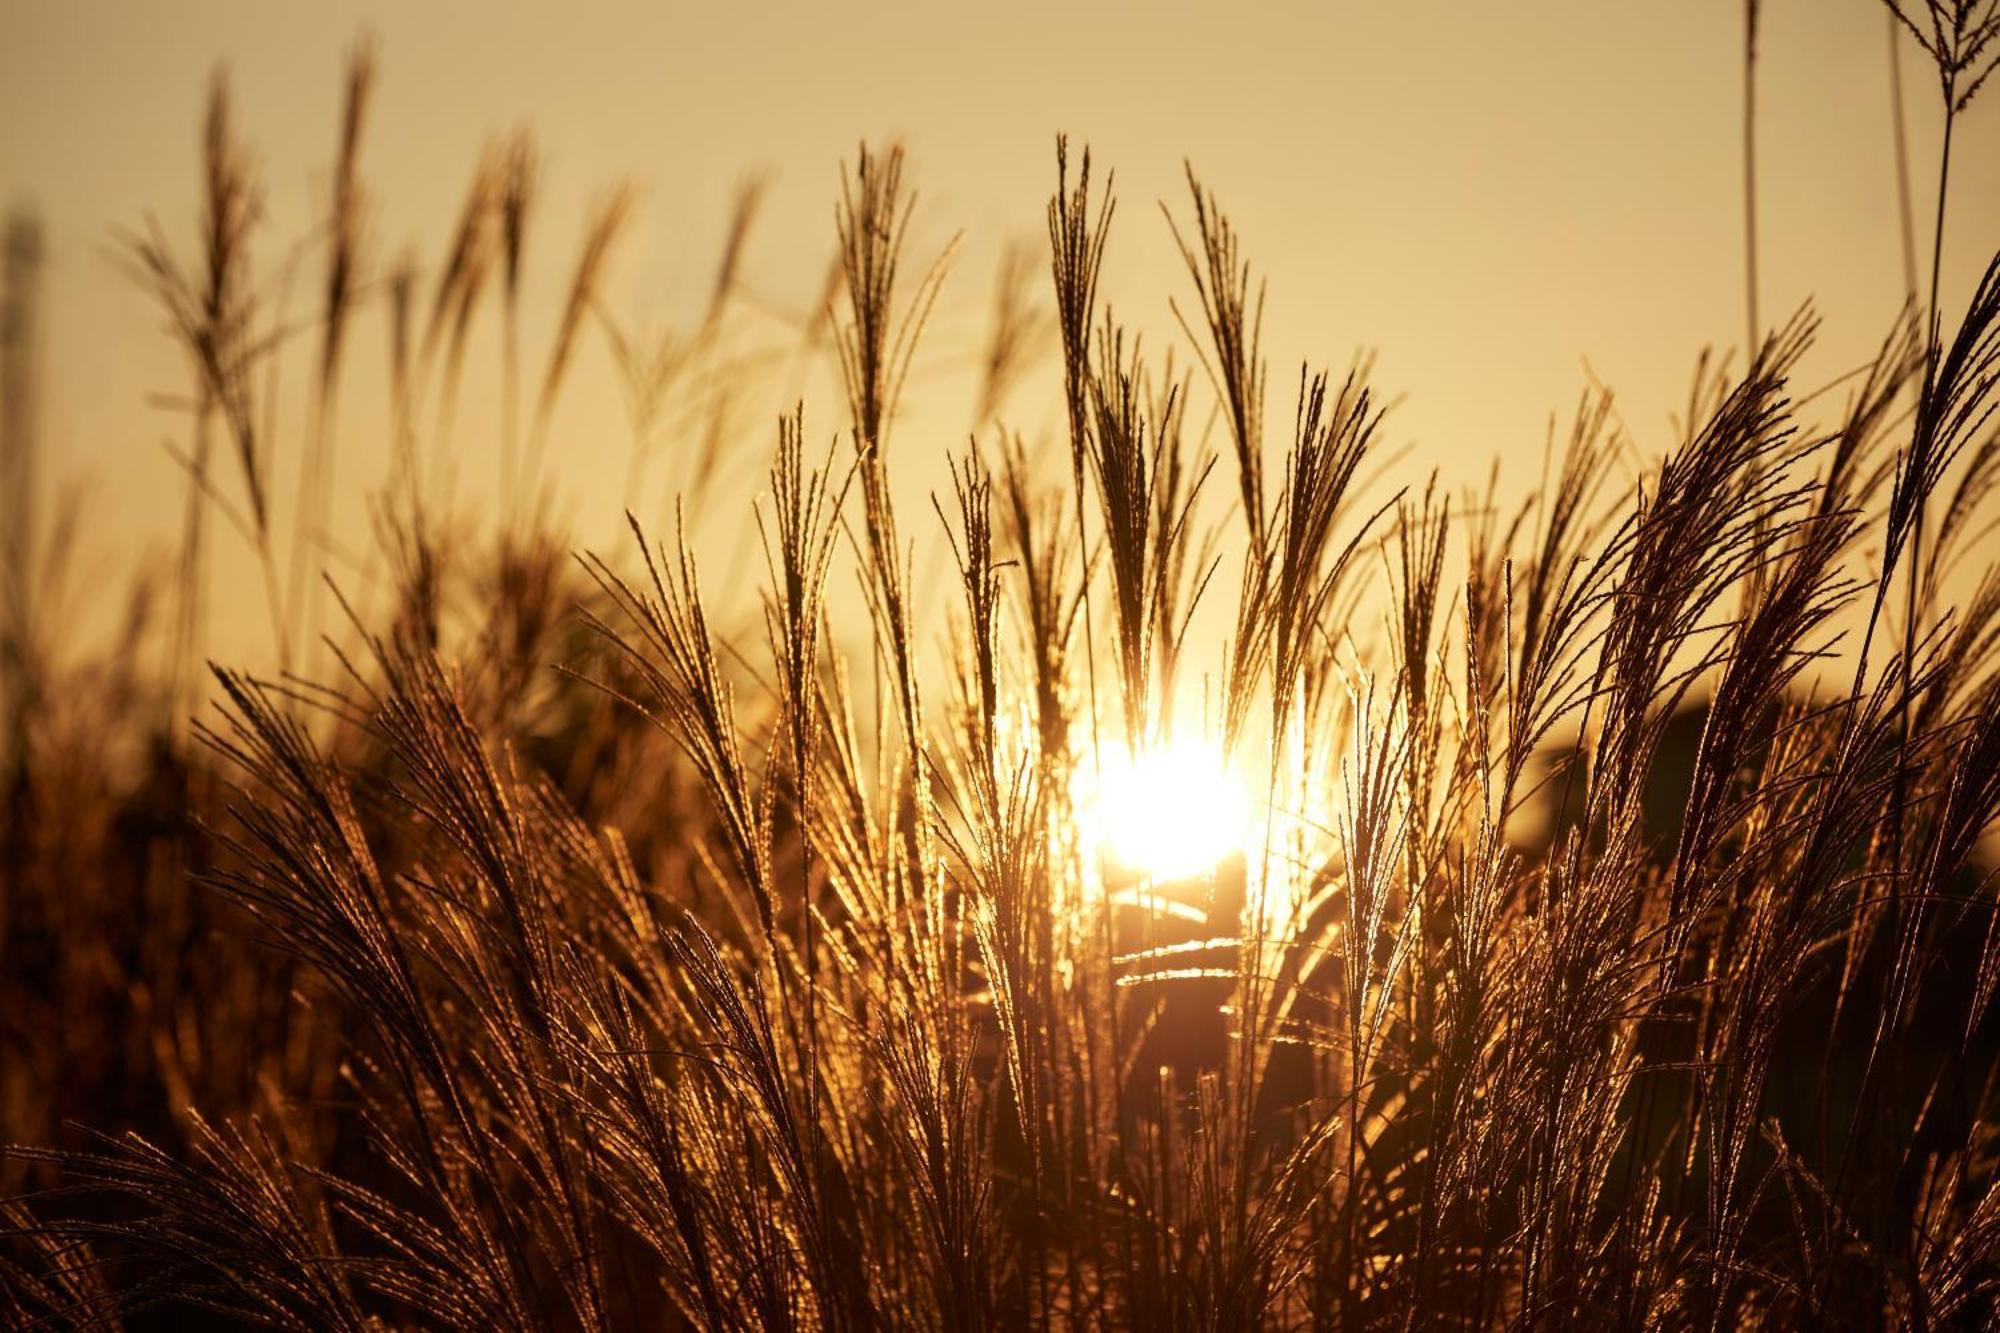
510 412
1915 575
1937 232
188 609
1914 581
1909 226
1750 8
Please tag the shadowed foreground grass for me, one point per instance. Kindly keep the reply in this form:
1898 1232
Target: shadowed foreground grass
1607 950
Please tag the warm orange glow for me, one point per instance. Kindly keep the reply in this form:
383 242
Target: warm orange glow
1172 810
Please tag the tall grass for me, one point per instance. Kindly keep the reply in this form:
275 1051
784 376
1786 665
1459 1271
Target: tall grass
1612 949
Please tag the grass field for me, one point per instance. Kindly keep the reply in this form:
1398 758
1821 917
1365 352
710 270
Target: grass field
1278 892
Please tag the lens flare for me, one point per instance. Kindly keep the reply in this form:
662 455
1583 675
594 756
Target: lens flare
1167 812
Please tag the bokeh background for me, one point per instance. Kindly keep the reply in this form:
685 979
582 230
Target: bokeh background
1502 202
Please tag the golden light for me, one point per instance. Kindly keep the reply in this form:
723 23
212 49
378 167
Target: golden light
1168 812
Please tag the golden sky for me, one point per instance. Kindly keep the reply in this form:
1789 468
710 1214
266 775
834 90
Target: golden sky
1487 195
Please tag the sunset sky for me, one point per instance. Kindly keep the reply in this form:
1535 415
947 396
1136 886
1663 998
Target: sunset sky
1498 200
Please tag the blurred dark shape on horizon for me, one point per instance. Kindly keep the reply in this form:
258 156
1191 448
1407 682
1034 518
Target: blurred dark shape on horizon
20 274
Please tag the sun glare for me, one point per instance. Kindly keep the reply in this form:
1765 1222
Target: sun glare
1167 812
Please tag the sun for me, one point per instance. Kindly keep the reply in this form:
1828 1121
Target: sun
1170 811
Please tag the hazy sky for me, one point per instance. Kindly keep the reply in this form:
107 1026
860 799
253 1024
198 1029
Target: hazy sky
1487 195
